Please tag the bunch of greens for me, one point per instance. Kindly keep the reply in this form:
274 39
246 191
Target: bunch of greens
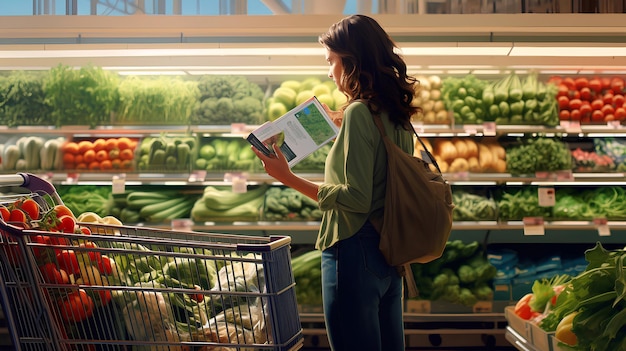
540 154
462 275
162 100
228 99
85 96
605 202
86 198
597 297
472 207
22 99
517 203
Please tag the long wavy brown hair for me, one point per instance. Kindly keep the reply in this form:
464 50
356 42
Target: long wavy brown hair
372 68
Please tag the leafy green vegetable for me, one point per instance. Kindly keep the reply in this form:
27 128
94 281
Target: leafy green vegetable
597 294
22 99
81 96
162 100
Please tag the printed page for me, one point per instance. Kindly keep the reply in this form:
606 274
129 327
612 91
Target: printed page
298 133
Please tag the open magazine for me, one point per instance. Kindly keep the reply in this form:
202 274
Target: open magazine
298 133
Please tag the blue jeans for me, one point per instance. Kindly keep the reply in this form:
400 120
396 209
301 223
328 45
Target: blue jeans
362 295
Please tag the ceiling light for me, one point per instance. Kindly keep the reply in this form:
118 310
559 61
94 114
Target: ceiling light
572 51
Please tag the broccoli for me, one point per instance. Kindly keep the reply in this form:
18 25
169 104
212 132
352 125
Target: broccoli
483 292
227 99
466 297
466 274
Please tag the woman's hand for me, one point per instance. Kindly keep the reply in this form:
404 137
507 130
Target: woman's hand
336 116
275 164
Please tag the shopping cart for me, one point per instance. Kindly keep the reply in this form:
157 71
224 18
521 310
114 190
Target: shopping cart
138 288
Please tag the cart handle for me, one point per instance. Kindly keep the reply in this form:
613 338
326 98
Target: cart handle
31 182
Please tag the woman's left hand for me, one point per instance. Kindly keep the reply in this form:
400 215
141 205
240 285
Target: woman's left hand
275 164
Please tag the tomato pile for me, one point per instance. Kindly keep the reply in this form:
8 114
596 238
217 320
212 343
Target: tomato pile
590 100
65 264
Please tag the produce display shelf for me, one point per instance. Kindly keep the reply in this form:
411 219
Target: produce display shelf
222 178
241 129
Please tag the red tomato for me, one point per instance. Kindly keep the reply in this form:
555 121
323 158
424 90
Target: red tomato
585 94
617 85
563 91
569 83
94 256
105 297
595 85
105 267
556 80
5 213
608 110
31 208
68 262
62 210
564 115
18 215
575 115
618 100
607 98
66 224
581 82
574 94
522 309
606 82
597 104
585 109
575 104
85 230
77 307
609 117
563 102
197 297
42 252
51 274
597 115
620 113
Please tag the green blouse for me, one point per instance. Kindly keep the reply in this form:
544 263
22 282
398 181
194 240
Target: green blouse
355 174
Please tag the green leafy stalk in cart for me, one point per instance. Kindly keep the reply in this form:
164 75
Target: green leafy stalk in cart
597 295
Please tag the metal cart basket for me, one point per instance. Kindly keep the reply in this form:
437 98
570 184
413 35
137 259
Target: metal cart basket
109 287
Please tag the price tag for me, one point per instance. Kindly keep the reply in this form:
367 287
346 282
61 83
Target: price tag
72 178
419 127
237 128
197 176
547 197
571 126
239 184
483 307
602 226
470 129
565 175
182 224
118 184
489 129
533 226
614 124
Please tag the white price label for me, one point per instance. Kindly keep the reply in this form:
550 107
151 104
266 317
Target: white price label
602 226
533 226
489 129
547 197
197 176
72 178
239 184
118 184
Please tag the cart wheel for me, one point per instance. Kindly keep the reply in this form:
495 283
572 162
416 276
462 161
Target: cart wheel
435 339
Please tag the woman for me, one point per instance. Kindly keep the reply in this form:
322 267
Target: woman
362 294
